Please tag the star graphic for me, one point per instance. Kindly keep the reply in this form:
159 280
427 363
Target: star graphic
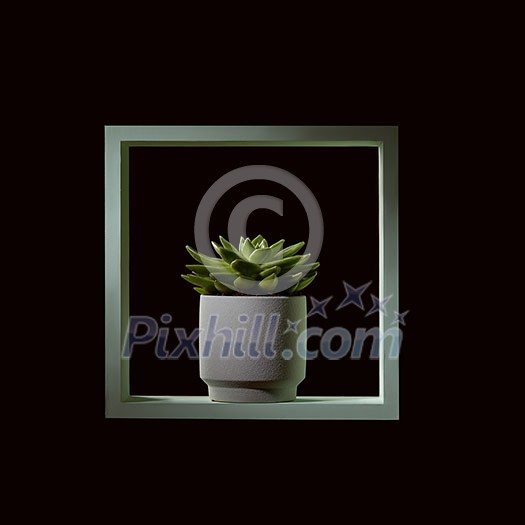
353 295
318 307
400 318
292 327
379 306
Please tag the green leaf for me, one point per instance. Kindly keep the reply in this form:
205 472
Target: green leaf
273 269
246 268
199 280
220 287
260 255
204 259
247 248
269 283
194 253
287 263
241 242
226 278
228 245
258 239
224 273
293 289
216 265
226 254
290 280
201 291
289 251
244 285
294 262
305 268
303 283
199 269
275 247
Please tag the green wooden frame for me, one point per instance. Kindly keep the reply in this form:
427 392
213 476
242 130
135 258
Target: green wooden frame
118 139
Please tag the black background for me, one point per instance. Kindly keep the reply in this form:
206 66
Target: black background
166 185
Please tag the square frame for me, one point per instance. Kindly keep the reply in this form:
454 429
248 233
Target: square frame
118 139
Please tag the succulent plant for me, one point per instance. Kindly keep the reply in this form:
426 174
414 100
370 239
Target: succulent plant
254 268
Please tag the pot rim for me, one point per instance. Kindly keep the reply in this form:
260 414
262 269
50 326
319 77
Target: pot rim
252 296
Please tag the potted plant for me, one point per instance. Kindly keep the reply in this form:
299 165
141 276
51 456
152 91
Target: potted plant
251 316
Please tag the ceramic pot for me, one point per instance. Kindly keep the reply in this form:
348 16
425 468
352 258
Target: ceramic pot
248 347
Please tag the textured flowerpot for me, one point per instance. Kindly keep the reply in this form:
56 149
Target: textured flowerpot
248 347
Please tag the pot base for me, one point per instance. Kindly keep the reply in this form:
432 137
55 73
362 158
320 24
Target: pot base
251 395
